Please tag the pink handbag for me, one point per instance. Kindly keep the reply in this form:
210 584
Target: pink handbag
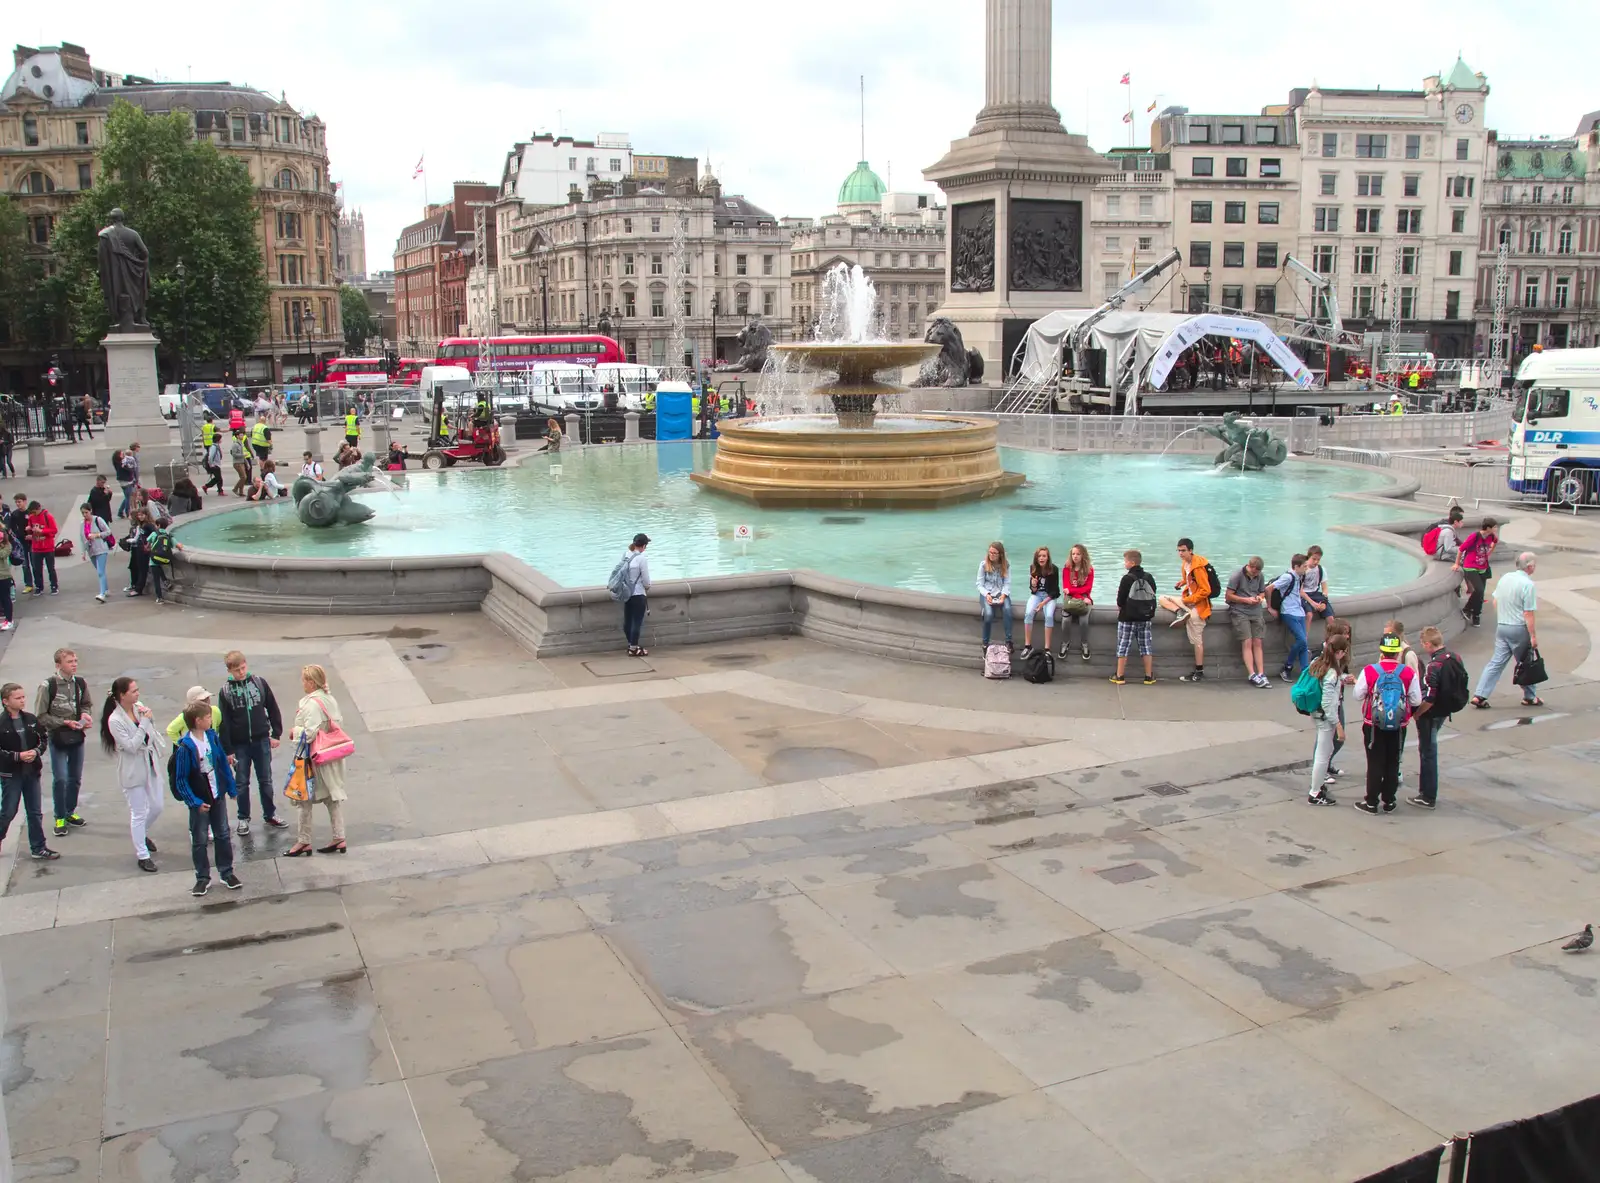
329 742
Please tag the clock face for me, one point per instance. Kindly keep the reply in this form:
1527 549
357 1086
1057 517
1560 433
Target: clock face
1464 113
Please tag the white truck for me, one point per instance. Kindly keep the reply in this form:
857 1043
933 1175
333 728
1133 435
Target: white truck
1555 434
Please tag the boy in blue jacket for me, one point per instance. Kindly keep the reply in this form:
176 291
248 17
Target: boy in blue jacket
202 779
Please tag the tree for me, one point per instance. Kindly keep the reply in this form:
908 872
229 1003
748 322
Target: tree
27 303
359 323
192 204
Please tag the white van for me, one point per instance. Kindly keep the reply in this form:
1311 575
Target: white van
1555 436
631 382
570 387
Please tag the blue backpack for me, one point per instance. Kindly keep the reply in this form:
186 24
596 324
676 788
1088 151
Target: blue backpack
1390 709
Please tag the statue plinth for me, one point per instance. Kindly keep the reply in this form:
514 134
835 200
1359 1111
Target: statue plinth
134 409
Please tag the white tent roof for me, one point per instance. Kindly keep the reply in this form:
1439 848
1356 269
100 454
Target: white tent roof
1116 333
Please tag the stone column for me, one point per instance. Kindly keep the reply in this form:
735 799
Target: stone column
572 430
134 409
1017 67
508 431
630 427
36 464
314 440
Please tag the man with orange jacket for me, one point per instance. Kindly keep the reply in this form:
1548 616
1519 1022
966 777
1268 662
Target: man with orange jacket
1192 604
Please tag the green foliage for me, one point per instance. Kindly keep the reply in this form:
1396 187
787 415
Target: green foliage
27 307
190 203
359 323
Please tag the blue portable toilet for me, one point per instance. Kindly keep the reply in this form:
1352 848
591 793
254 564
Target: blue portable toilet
674 411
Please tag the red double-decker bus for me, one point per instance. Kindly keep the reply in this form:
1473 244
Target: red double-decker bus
518 353
354 371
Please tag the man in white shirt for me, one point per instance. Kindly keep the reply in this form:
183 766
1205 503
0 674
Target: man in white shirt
1516 632
311 468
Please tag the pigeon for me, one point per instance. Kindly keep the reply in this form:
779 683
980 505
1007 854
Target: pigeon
1580 942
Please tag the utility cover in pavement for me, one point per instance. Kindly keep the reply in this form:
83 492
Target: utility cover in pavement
1126 873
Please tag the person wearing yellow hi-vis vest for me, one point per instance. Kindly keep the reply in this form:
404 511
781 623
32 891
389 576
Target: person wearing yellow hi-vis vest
261 437
208 432
352 427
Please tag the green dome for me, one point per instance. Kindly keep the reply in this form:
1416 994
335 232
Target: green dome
861 187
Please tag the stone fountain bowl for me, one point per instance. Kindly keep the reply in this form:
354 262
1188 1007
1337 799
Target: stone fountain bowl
856 363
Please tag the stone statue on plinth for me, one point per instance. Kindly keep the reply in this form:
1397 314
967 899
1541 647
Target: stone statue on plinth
328 503
955 364
124 274
1249 448
754 341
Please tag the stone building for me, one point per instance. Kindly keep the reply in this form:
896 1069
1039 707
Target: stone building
1131 223
1391 185
1234 206
53 110
672 271
352 258
896 238
1541 197
432 258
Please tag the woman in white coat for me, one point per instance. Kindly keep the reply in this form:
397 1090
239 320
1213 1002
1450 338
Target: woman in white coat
317 710
127 730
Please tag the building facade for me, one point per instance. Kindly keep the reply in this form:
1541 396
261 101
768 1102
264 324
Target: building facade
352 258
544 169
1130 223
53 110
432 259
1541 198
897 239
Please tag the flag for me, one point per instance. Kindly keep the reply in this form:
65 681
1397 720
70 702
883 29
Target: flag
1152 105
417 172
1127 117
1127 80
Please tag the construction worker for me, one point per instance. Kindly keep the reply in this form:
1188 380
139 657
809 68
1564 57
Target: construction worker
650 400
1396 406
235 418
352 427
261 437
480 412
1415 381
208 431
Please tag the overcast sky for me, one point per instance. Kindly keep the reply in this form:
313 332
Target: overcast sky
770 91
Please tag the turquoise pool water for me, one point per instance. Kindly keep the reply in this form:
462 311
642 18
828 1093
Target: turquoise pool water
573 517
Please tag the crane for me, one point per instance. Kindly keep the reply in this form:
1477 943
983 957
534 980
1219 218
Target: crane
1079 337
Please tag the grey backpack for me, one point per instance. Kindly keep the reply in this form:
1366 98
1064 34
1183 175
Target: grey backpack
620 584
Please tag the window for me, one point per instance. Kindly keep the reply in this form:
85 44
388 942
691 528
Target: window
768 303
1232 133
1199 254
30 131
1454 267
1369 221
1408 221
1538 195
589 165
1330 143
319 227
1271 166
1199 211
766 264
616 164
1325 219
741 303
877 259
655 225
39 228
1238 166
741 264
1113 206
1409 259
1409 184
627 264
1369 184
1413 147
286 180
1233 254
1458 221
1456 186
1324 259
1504 238
85 175
1361 302
288 225
572 164
1145 242
1266 297
1330 184
1199 297
1233 298
1462 147
1530 292
1536 242
1366 260
656 267
1544 403
1371 147
1147 206
1233 211
1199 133
1563 293
1113 243
1200 166
1266 133
1408 303
1564 242
82 130
629 307
37 182
322 268
658 304
290 269
1452 305
1267 213
1266 254
627 225
1566 195
688 303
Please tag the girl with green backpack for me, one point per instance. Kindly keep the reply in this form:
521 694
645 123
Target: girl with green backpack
1327 674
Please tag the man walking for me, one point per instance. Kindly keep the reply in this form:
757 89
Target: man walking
86 417
251 727
1136 608
1387 694
1246 599
261 438
21 745
63 710
1444 691
1516 632
1192 605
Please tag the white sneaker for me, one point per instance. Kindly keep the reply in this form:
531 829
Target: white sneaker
5 626
101 599
243 827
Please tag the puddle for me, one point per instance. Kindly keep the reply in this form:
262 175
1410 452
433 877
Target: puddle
1526 721
241 942
791 764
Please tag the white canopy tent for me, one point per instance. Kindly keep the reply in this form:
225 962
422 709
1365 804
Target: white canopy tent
1145 338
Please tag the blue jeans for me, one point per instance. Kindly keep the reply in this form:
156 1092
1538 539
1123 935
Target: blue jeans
1299 651
127 498
1428 727
989 610
255 753
99 562
212 822
66 777
1510 642
633 618
22 789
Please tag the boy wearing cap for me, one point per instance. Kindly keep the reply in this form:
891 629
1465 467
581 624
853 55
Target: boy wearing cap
179 727
633 607
1384 732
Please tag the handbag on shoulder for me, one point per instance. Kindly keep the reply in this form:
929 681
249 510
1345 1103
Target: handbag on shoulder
329 742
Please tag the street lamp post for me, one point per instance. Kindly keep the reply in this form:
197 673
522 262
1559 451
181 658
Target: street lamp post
183 320
544 295
716 306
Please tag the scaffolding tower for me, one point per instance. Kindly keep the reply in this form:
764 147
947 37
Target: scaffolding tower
1499 353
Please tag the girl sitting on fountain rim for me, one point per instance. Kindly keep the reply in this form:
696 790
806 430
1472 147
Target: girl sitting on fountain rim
1044 589
994 591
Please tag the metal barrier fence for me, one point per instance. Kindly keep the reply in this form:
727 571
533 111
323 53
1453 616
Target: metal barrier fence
1439 477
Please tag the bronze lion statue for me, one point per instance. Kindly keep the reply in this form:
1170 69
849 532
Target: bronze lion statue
955 364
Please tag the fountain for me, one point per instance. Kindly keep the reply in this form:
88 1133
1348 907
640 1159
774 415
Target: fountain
857 457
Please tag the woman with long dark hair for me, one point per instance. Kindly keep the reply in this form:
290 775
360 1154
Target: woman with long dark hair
1329 668
128 732
1044 589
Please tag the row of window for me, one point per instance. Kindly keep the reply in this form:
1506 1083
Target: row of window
1533 240
1376 147
1266 296
1234 212
805 262
527 308
294 269
1325 260
293 225
1563 196
1369 220
933 291
1147 205
1233 133
1235 166
300 320
30 132
567 266
1233 254
589 164
39 183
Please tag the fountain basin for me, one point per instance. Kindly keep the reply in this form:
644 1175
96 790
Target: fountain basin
912 460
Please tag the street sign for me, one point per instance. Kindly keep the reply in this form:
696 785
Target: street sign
743 533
